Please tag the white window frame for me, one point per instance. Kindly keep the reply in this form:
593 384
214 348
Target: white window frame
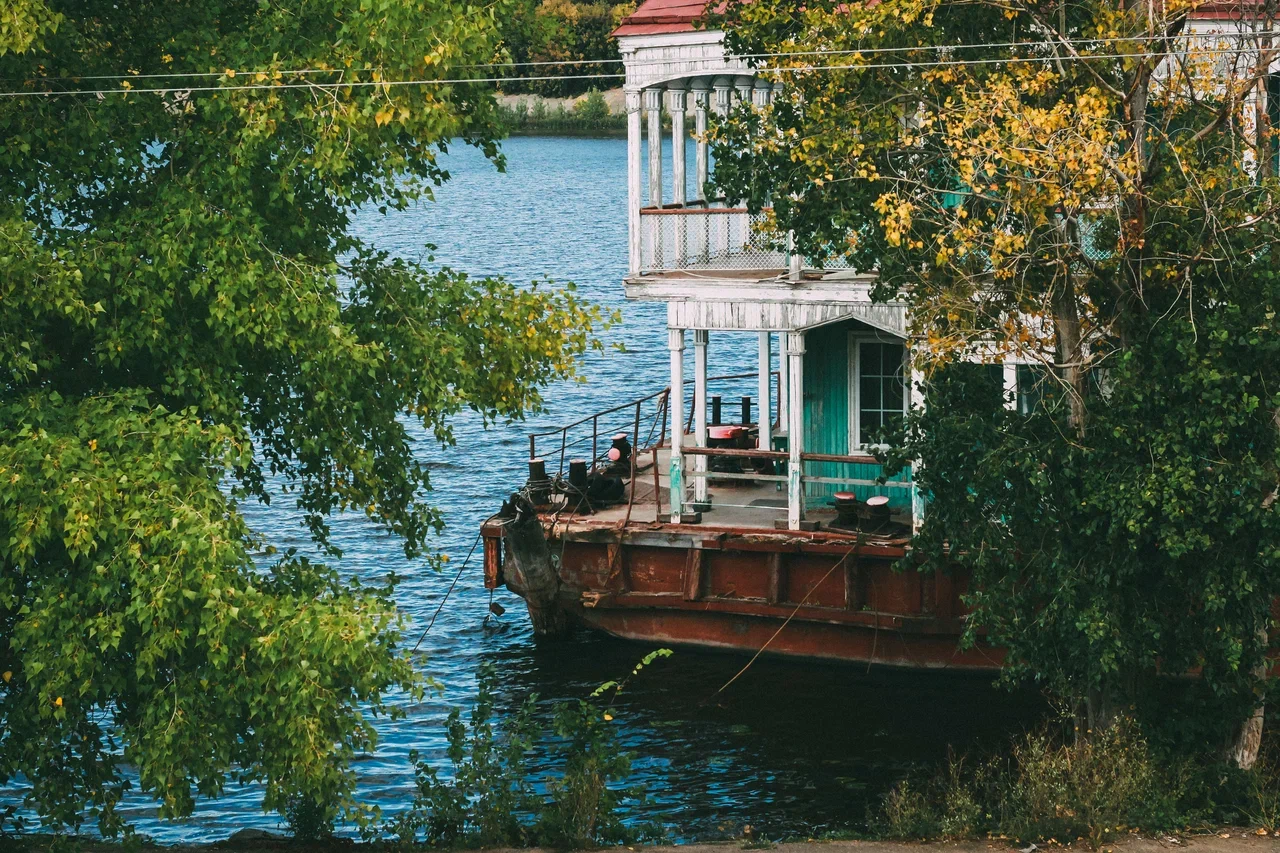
857 338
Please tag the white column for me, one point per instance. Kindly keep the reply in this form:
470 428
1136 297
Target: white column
633 182
766 358
762 94
701 102
677 103
718 227
700 338
653 110
675 342
744 85
724 95
795 430
1010 385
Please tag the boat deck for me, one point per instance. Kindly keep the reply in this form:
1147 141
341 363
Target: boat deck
739 505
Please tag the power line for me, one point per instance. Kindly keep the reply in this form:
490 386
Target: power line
548 63
941 63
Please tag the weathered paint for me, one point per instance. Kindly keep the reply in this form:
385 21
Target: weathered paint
836 597
827 415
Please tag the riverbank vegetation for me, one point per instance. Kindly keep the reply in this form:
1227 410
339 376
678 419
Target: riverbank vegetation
588 116
188 325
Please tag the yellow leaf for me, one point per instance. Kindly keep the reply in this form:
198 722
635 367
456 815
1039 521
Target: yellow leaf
231 72
58 701
608 717
382 117
8 674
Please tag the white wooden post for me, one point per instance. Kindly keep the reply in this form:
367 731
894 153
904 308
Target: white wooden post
633 182
795 430
700 340
676 105
653 110
719 235
675 342
762 386
701 102
762 93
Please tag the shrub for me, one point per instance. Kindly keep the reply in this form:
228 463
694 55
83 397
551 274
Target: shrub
490 799
1089 787
592 109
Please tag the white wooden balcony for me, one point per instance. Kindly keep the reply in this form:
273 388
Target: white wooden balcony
699 237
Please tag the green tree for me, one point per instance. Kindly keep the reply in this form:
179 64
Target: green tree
186 324
1081 188
563 31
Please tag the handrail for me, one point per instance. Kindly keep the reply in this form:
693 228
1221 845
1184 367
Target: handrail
691 211
652 396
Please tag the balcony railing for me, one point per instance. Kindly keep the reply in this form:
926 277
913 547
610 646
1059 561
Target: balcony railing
697 237
708 238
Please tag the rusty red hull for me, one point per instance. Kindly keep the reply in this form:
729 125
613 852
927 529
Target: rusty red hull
822 595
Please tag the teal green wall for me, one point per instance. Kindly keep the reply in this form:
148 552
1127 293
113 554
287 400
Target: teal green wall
826 417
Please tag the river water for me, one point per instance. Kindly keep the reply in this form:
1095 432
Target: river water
791 748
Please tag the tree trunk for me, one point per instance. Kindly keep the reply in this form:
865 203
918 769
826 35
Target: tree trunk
1066 323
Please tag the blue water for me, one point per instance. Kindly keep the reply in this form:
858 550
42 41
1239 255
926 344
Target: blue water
791 748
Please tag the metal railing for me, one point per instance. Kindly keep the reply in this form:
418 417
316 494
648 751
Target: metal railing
644 421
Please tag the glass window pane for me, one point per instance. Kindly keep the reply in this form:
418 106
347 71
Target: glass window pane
869 358
892 399
870 390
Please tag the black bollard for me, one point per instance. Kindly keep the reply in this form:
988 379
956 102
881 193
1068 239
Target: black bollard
746 411
539 484
715 410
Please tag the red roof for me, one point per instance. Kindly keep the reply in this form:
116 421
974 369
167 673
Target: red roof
662 16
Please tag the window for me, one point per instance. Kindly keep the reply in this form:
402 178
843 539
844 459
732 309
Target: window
881 388
1033 385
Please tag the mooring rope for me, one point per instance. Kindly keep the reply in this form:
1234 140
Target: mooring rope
456 577
851 552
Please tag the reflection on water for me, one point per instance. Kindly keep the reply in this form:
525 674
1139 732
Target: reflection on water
790 748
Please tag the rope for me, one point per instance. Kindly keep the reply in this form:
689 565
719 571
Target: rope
852 551
444 600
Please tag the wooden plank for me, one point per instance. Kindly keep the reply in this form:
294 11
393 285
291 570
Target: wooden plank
777 579
693 575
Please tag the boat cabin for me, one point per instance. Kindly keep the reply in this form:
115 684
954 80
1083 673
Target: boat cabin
844 366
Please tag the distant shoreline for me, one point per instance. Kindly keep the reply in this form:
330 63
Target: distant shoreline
595 114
